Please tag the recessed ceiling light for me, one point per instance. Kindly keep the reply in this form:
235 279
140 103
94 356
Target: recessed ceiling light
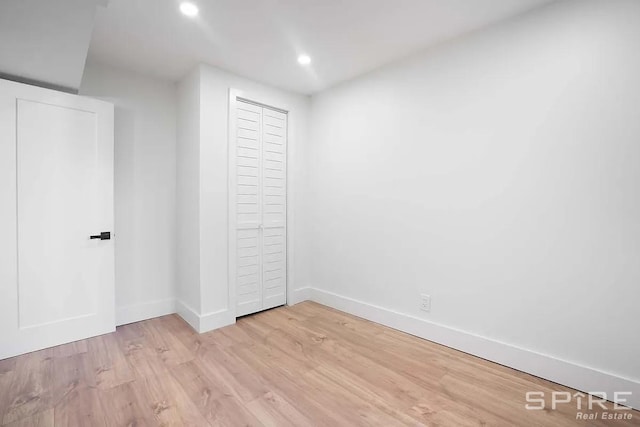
304 60
189 9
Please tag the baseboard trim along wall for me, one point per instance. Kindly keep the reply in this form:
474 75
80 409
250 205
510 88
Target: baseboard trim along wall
544 366
299 295
216 319
206 322
188 314
148 310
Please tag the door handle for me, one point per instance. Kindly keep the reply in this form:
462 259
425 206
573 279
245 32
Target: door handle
105 235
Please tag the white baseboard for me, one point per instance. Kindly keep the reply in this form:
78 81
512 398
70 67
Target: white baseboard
216 319
300 295
548 367
188 314
202 323
144 311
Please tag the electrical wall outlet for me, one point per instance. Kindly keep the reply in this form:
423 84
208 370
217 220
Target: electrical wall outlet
425 302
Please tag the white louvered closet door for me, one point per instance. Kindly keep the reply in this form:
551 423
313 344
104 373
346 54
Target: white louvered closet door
260 208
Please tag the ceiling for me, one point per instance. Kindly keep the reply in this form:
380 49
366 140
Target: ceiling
44 41
261 39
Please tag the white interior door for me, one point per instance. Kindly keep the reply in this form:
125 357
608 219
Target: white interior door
56 157
258 207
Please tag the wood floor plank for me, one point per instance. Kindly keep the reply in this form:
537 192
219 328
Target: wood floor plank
166 345
7 365
189 338
228 336
80 406
70 349
384 373
7 372
295 355
275 411
214 399
40 419
311 402
30 390
123 407
139 351
304 383
107 362
70 376
233 374
306 365
165 403
324 351
358 411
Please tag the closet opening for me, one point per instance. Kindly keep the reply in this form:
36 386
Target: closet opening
258 136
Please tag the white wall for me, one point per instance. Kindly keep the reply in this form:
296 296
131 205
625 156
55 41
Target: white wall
206 90
500 174
145 188
188 193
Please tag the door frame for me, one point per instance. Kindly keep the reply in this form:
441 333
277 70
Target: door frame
282 106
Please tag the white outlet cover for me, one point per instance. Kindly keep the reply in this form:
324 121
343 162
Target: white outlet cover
425 303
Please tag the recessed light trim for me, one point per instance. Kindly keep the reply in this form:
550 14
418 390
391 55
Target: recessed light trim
304 59
189 9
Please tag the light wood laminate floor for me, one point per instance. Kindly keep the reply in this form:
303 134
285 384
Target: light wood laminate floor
306 365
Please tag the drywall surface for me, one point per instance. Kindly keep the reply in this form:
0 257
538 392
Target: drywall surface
145 188
46 42
188 192
498 174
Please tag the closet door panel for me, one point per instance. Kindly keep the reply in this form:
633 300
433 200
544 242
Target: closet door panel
248 209
274 153
274 203
274 272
